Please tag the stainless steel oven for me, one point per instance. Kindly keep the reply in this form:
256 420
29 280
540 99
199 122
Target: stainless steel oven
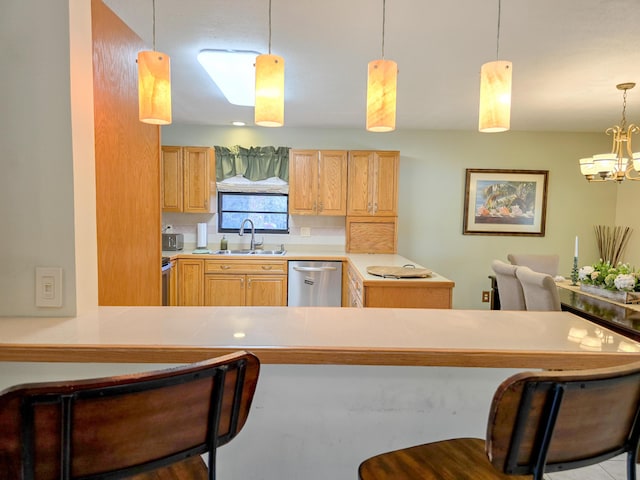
166 280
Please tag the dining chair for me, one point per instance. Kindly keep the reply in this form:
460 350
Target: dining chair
538 422
509 287
540 290
538 263
153 425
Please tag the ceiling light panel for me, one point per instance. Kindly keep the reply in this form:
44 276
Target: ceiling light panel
234 72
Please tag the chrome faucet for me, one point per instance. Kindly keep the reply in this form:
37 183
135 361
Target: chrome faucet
253 233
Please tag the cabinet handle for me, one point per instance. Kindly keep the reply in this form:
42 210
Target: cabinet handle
369 207
375 207
242 282
267 267
225 267
320 207
248 283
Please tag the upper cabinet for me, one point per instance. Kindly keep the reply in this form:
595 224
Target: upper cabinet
187 179
373 183
318 182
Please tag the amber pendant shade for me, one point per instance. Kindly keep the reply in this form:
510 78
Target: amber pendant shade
269 109
495 97
154 88
382 85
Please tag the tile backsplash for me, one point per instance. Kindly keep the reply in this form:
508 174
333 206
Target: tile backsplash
317 230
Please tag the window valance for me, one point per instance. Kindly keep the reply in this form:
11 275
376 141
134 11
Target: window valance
253 163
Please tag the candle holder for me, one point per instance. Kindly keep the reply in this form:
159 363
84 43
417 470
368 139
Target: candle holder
574 271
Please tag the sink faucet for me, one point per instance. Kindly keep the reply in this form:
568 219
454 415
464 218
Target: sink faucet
253 233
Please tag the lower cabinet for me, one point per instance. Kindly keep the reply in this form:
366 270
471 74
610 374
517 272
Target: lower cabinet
245 290
396 293
190 282
245 283
232 282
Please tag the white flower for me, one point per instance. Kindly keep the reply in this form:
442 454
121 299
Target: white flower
625 282
585 272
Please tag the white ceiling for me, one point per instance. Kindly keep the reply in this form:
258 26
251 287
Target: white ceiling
568 56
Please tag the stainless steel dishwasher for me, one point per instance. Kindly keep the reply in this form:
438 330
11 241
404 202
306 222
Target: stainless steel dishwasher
315 284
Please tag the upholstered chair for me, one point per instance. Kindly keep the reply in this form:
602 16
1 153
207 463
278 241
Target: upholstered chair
540 291
509 288
538 263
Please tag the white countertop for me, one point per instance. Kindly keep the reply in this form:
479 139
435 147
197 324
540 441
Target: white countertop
314 335
359 260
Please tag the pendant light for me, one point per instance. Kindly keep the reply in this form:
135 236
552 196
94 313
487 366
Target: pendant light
269 107
154 84
382 81
495 92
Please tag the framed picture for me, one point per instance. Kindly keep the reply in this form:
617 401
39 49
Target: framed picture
505 202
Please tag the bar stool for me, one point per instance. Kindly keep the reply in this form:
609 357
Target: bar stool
151 425
538 422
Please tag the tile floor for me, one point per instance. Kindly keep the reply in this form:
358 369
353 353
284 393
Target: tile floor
614 469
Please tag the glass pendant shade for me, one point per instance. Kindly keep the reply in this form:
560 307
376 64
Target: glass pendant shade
587 166
604 163
269 109
495 97
154 88
381 95
636 161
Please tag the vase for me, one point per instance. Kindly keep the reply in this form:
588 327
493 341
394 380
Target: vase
615 295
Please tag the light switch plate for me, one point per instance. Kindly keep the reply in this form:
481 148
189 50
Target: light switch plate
48 287
305 231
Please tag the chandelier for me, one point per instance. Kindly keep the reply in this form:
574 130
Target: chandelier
621 163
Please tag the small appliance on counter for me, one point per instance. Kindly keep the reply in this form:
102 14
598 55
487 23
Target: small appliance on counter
172 241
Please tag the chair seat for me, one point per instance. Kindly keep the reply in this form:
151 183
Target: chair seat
192 468
457 459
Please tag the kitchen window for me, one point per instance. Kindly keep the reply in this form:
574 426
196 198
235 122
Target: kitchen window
268 211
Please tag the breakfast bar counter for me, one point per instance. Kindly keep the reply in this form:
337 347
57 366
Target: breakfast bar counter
335 383
341 336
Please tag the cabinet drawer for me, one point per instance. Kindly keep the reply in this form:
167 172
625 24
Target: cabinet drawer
246 266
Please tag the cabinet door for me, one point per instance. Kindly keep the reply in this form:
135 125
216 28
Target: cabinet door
171 164
332 183
197 179
190 282
224 290
266 290
359 185
385 185
303 182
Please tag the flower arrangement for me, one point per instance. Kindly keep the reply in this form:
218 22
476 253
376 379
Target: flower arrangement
621 277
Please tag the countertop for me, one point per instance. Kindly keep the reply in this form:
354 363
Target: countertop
318 335
360 261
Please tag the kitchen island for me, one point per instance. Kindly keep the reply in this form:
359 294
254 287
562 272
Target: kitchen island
337 385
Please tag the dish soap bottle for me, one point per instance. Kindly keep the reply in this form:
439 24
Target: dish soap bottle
223 243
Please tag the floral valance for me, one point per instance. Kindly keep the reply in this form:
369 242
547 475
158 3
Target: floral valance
253 163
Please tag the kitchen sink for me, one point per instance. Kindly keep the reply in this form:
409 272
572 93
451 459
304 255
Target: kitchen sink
249 252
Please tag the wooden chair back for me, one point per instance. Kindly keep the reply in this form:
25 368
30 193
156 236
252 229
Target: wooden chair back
121 426
555 421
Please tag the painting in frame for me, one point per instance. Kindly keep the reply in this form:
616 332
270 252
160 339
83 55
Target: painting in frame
505 202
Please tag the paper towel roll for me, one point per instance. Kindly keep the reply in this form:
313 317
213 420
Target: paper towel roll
201 241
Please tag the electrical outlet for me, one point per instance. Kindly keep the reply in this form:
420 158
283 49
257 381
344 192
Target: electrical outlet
305 231
486 296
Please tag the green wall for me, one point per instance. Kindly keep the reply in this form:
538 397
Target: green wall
431 191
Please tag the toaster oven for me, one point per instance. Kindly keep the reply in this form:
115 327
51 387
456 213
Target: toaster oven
172 241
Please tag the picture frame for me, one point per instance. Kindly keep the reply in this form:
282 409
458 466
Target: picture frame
505 202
